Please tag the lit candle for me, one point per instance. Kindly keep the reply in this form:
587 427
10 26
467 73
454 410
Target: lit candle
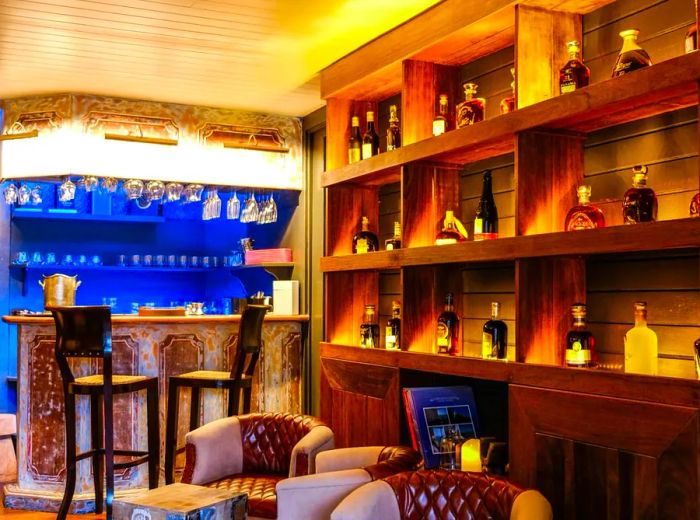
471 455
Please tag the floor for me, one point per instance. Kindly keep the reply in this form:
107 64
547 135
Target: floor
10 514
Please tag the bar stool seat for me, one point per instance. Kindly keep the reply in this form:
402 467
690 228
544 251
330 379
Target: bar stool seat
206 374
117 382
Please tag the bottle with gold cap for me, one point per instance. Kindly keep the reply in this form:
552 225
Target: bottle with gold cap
641 344
453 230
355 142
580 342
639 203
585 215
369 329
392 336
472 109
441 123
632 56
365 241
394 242
574 75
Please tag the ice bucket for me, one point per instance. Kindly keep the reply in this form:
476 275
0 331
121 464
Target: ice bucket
59 290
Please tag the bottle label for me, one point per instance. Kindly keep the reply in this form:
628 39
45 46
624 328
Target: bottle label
487 350
389 246
580 221
567 86
478 226
690 45
366 150
445 241
443 337
390 338
577 355
362 246
466 115
438 127
354 155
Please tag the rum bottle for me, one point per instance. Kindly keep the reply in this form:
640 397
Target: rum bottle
452 230
639 203
448 329
471 110
392 335
365 241
494 339
369 330
632 56
574 75
508 104
641 344
695 206
486 221
580 343
585 215
395 241
441 121
355 143
393 133
691 39
370 141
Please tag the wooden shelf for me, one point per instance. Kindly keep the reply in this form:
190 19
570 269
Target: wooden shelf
670 234
664 87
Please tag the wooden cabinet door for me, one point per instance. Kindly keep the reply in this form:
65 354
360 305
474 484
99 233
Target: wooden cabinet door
603 457
360 402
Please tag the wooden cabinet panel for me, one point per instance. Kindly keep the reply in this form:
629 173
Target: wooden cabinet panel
602 457
360 402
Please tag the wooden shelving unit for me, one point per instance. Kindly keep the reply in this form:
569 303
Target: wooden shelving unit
559 419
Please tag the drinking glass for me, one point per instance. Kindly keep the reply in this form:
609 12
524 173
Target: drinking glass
194 261
67 260
206 262
37 258
160 260
135 260
23 194
66 191
233 207
82 260
94 260
91 183
193 192
172 261
183 261
122 260
133 188
50 258
155 190
148 260
173 191
10 194
36 196
21 258
110 184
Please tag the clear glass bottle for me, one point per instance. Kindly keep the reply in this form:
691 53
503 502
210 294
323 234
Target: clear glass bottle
393 133
365 241
641 345
452 230
639 203
486 221
392 333
508 104
632 56
369 329
580 342
355 142
441 123
695 206
447 334
574 75
472 109
585 215
494 338
691 39
370 141
395 241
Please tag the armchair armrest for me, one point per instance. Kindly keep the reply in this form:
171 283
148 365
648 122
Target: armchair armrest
304 452
347 458
213 451
315 496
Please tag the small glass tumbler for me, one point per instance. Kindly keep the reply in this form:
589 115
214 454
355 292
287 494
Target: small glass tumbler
194 261
96 260
206 262
21 258
37 258
122 260
51 259
182 261
82 260
148 260
160 260
67 260
172 261
135 260
10 194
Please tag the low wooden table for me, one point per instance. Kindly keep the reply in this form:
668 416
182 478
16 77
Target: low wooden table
183 502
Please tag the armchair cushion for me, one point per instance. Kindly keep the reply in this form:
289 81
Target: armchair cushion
369 502
213 451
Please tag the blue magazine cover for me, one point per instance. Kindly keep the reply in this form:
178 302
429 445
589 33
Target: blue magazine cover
433 409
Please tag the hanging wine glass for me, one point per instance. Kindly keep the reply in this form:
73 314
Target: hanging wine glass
91 183
233 207
10 194
155 190
110 184
252 209
23 195
133 188
193 192
173 191
273 209
36 196
66 192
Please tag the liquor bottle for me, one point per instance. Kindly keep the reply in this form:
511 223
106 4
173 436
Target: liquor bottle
448 329
574 75
639 203
365 241
471 110
395 241
494 339
486 221
392 334
585 215
370 141
355 143
452 230
632 56
441 122
580 343
369 330
508 104
696 356
641 344
691 39
393 133
695 206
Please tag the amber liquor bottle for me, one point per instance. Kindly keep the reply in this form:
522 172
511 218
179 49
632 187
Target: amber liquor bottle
574 75
370 141
639 203
580 342
471 110
632 56
494 339
393 133
695 206
447 335
392 335
395 241
508 104
355 142
691 39
441 123
486 221
585 215
365 241
369 329
452 230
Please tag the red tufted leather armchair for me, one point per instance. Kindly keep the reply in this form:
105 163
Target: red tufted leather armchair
442 495
252 453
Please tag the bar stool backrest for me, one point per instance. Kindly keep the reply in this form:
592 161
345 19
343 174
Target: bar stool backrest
249 341
83 331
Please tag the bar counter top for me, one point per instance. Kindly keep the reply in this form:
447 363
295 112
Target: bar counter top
37 319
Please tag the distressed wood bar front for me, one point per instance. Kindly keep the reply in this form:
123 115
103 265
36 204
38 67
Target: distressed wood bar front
160 346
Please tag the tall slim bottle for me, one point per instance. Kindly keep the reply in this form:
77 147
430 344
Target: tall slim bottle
370 141
641 345
393 133
369 329
494 339
441 123
355 142
447 334
392 335
486 221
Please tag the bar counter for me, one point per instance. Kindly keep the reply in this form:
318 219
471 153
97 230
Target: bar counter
160 346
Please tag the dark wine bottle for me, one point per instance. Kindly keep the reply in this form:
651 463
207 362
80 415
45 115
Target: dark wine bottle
495 336
370 141
486 221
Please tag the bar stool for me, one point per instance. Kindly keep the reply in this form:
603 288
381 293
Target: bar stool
8 459
86 332
238 380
